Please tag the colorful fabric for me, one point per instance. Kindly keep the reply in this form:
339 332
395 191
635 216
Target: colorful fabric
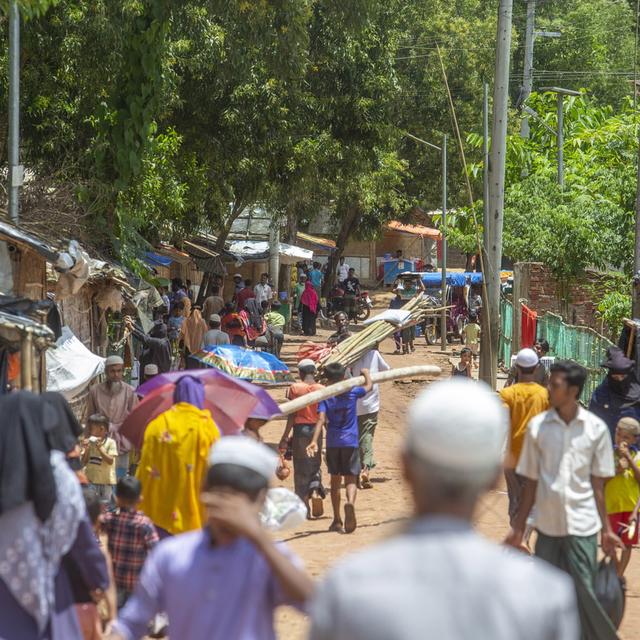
524 400
257 366
242 296
275 319
131 537
528 327
620 525
342 418
621 493
173 464
309 297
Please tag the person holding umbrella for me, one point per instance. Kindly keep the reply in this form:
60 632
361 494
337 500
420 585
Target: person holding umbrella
174 460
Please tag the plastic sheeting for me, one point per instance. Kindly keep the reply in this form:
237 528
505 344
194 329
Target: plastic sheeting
251 250
71 366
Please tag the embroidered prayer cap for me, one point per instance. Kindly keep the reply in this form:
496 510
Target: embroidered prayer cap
244 452
151 370
112 361
307 362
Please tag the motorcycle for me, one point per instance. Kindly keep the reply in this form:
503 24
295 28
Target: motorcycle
335 303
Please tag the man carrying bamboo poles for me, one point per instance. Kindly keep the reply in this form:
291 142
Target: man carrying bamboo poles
368 408
340 417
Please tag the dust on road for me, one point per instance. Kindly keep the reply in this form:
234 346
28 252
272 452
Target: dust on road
383 509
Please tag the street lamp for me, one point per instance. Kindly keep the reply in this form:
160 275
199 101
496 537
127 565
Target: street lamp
561 93
443 313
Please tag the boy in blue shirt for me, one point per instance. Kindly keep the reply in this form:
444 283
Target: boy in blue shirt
339 415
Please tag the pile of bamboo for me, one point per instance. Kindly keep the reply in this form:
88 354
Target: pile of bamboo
353 348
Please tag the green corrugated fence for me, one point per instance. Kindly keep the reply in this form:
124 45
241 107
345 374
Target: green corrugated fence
569 342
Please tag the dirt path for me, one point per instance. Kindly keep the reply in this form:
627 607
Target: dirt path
382 510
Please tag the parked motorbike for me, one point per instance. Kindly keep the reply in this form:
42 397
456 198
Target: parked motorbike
335 303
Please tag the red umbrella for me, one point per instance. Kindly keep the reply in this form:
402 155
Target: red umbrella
230 406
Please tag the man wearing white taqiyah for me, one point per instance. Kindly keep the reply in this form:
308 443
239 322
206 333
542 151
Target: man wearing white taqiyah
439 579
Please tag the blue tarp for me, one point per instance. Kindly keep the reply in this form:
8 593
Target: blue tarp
434 279
473 277
156 260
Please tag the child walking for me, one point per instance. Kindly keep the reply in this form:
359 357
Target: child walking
99 458
471 334
339 416
131 537
622 492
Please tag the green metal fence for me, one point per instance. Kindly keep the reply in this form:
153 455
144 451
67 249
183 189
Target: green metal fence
582 344
506 332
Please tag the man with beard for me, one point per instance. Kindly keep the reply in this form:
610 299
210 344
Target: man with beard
618 395
114 399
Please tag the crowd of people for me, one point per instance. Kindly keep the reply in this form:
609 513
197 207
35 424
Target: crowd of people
101 539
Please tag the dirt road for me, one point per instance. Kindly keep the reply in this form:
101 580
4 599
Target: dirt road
383 509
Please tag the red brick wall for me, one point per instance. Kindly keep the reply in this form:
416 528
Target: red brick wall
576 302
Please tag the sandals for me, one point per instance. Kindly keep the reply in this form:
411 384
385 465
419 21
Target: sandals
350 522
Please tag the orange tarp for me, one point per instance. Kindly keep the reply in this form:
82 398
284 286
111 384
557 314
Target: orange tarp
414 229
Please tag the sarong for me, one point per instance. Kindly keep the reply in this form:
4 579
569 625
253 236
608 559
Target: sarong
366 427
307 474
578 556
515 485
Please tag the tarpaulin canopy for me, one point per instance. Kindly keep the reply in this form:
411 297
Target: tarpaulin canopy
156 260
71 366
414 229
319 244
434 279
254 251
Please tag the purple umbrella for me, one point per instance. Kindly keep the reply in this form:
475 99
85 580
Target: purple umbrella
265 407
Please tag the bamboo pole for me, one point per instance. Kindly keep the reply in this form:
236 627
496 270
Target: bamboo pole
344 385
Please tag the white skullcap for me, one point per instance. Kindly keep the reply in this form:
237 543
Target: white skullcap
307 362
527 358
238 275
113 360
245 452
151 370
459 425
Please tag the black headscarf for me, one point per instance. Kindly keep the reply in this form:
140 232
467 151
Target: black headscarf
64 436
626 392
25 469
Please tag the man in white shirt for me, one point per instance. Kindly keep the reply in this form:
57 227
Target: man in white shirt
566 459
262 291
368 408
437 578
343 270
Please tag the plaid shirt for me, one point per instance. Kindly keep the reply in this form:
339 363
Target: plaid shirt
131 537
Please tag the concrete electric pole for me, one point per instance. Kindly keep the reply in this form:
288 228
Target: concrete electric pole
527 79
489 357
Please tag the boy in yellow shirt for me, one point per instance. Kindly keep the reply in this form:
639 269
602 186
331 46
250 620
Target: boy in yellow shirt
622 492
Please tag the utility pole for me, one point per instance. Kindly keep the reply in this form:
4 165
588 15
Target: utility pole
16 172
489 357
527 80
443 316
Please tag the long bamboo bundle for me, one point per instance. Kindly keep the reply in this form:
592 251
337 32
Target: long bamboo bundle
353 348
344 385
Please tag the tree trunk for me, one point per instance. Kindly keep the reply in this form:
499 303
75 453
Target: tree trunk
350 218
290 237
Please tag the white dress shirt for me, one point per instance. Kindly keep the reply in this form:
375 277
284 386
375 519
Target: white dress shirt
263 292
373 361
562 458
441 580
